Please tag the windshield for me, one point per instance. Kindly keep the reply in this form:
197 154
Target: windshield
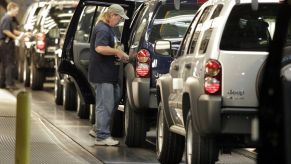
249 30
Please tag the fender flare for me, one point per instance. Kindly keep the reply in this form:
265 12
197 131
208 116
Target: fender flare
164 89
129 74
192 87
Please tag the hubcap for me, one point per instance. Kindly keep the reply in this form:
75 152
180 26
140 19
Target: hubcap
160 132
189 140
126 116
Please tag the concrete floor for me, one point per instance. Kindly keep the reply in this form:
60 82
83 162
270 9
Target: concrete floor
63 129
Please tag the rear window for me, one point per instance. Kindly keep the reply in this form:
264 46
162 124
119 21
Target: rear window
61 15
249 30
171 24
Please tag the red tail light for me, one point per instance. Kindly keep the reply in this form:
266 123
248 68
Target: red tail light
201 1
143 63
40 41
212 79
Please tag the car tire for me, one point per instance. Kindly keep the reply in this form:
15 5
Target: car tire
70 97
116 127
83 109
36 77
169 146
199 149
58 92
134 127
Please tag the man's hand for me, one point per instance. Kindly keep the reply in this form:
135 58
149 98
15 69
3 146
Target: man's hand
122 56
28 34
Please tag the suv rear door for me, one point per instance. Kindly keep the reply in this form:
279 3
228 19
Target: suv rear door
243 50
75 55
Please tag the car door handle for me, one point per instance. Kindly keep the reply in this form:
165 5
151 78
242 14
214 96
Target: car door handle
188 65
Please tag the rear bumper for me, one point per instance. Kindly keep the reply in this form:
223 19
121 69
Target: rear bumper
214 119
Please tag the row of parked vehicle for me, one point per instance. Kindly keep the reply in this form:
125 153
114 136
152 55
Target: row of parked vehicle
47 21
195 71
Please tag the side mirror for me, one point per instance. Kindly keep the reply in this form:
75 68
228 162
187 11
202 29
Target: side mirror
163 47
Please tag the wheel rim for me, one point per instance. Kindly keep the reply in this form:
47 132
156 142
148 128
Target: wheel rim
31 74
78 103
160 131
126 116
25 70
64 94
56 87
189 140
91 117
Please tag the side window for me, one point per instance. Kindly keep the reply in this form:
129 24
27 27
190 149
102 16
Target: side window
139 27
205 40
197 29
205 14
208 32
85 24
287 50
171 24
187 35
248 30
217 11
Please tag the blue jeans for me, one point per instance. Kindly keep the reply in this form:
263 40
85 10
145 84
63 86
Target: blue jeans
107 99
7 58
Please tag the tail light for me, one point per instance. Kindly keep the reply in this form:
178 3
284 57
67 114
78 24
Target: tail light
212 79
143 63
40 41
201 1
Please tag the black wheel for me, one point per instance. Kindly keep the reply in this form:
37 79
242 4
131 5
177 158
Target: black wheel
117 124
199 149
26 73
58 92
36 77
83 109
92 114
169 146
70 96
134 127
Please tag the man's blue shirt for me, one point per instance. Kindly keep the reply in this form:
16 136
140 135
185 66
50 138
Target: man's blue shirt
102 68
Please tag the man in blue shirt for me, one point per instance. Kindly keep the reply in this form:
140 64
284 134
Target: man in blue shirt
103 71
8 35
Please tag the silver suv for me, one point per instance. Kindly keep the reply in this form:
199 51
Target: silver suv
210 95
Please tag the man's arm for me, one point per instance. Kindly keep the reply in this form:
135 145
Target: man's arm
9 34
16 32
106 50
